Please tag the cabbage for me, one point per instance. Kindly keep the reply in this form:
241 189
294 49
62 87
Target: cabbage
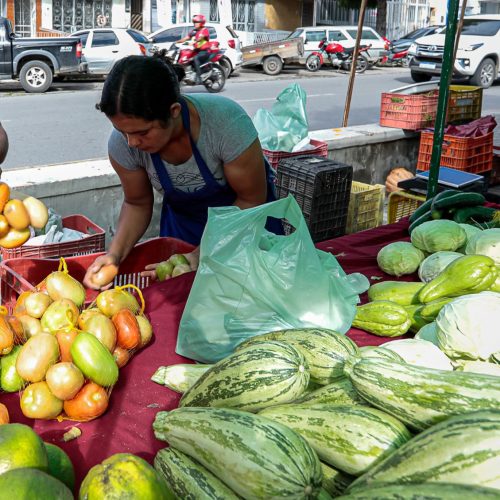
435 263
468 327
470 231
485 243
399 258
428 332
438 235
480 367
420 353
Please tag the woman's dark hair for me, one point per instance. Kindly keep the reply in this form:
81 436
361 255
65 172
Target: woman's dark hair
139 86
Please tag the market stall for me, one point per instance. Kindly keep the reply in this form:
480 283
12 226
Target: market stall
127 424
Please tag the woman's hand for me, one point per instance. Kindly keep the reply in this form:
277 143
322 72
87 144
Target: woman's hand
192 257
101 273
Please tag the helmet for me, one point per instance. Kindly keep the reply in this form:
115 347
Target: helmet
199 19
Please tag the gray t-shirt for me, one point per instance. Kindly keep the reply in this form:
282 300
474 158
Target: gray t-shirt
226 131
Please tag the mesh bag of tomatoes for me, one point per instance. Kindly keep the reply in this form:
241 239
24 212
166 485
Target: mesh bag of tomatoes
68 358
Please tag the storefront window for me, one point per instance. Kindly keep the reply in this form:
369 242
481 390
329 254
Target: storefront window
74 15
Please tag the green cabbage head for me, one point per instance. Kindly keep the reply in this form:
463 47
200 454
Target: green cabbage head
438 235
467 327
470 231
487 243
433 265
399 258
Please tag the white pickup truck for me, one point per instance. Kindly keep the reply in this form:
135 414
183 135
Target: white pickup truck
478 54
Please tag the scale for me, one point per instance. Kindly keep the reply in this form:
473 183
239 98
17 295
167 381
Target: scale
449 178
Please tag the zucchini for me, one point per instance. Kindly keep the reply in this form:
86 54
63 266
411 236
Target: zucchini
252 378
474 214
464 449
347 437
425 217
324 350
254 456
427 491
339 392
421 397
188 479
421 210
335 482
180 377
458 199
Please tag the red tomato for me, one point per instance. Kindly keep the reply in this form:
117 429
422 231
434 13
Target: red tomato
128 334
90 402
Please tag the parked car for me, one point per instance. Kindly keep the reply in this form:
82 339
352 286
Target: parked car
102 47
478 54
406 40
36 61
346 36
225 35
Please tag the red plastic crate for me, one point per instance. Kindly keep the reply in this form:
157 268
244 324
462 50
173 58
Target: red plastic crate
469 154
24 274
495 171
274 157
408 111
93 242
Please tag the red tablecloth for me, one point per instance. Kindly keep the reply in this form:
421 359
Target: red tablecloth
135 400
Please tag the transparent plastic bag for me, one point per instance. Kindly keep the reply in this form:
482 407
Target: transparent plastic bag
250 281
286 124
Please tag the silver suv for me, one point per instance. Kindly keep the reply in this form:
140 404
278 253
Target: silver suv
478 54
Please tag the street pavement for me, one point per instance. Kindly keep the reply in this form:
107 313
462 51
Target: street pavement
63 125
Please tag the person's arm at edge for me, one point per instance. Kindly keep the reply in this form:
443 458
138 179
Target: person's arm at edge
134 219
246 174
136 211
4 144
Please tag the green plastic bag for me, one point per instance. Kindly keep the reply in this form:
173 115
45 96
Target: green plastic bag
250 281
286 124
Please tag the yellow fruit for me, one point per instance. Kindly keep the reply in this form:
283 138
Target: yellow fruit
38 213
16 214
4 195
15 238
4 226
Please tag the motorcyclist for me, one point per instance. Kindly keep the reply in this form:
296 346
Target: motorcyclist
199 36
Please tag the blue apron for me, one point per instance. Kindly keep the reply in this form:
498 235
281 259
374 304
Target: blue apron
184 215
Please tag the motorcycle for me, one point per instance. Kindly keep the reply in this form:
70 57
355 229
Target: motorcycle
338 56
213 77
398 56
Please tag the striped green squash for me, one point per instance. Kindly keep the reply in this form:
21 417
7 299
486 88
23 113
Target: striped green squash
179 377
254 456
334 481
464 449
252 378
495 358
324 350
188 479
323 495
350 438
425 491
339 392
421 397
380 352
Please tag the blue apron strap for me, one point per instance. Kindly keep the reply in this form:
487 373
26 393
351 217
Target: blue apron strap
161 171
203 167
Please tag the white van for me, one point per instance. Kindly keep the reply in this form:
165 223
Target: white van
346 36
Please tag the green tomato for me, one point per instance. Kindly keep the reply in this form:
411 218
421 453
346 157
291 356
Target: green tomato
164 269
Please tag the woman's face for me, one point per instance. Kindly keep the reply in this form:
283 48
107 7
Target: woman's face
148 136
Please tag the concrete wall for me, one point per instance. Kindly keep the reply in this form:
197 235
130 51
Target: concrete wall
92 188
283 14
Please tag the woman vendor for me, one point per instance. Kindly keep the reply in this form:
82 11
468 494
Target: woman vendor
199 151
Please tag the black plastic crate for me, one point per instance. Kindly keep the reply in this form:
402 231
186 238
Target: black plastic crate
322 189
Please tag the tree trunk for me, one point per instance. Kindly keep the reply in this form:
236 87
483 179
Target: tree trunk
381 25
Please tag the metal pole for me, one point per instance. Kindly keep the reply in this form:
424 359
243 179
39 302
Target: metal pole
459 31
352 74
444 91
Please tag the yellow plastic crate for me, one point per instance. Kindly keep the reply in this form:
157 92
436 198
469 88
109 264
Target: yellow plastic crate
402 204
464 104
366 207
